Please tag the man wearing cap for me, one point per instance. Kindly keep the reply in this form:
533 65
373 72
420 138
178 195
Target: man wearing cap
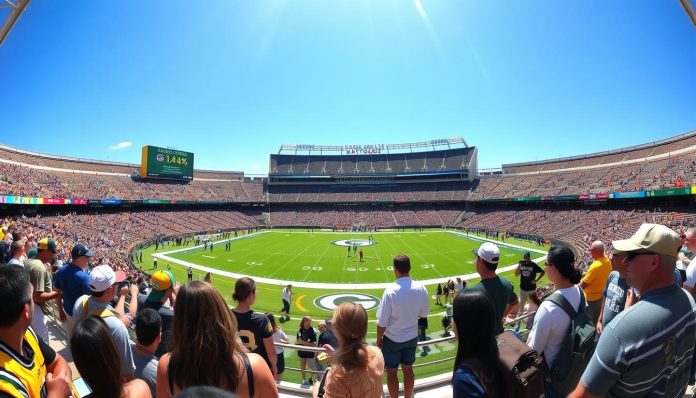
527 270
498 288
103 285
41 279
72 280
648 347
596 278
162 299
397 325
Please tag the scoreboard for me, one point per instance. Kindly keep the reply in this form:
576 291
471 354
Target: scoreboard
166 163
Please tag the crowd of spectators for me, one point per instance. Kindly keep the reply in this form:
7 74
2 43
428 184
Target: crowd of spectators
25 180
329 216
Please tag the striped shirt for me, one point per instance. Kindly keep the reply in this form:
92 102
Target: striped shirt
646 350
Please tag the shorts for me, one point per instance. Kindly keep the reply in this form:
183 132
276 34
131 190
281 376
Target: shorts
286 307
280 363
398 353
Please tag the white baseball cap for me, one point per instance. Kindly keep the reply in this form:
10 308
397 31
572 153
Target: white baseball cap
103 277
489 252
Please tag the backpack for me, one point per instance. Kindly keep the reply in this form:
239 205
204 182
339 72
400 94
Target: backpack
577 347
521 367
520 370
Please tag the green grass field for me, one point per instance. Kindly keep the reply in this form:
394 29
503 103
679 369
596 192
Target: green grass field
317 267
319 257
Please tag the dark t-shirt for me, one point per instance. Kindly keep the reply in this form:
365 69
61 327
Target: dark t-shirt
310 336
253 328
615 294
167 315
501 291
329 338
528 275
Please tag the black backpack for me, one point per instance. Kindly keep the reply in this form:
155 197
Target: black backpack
577 347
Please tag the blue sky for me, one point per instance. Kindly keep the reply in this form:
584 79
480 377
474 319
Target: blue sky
233 80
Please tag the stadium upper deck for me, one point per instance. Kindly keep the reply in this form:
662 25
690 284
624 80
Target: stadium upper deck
437 159
682 143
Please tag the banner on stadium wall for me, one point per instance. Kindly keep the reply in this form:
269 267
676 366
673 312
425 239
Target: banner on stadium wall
93 202
693 190
669 192
156 202
627 195
53 201
111 201
528 199
566 197
79 201
594 196
22 200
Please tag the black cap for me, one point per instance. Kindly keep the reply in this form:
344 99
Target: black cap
80 250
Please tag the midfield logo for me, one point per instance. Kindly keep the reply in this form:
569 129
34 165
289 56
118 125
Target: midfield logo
354 242
330 301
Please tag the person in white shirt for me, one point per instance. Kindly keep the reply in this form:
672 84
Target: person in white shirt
690 243
551 323
397 325
287 299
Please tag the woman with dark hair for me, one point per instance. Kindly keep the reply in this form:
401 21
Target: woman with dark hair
254 328
306 336
475 365
99 364
357 368
551 323
206 350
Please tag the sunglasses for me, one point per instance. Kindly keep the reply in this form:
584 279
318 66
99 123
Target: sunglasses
631 255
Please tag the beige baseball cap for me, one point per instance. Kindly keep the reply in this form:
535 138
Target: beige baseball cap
654 238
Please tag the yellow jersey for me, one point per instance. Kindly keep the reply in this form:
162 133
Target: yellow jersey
23 377
596 279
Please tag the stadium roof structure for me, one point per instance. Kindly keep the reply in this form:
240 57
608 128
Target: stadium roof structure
373 148
690 10
15 8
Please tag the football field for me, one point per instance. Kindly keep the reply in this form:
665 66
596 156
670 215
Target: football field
326 257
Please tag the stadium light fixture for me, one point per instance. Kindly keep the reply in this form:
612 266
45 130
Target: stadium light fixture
688 6
16 7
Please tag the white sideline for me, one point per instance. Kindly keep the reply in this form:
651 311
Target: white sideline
318 285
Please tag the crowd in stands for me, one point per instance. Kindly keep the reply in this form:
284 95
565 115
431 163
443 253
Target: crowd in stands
329 216
578 227
113 235
424 191
23 180
672 172
621 155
